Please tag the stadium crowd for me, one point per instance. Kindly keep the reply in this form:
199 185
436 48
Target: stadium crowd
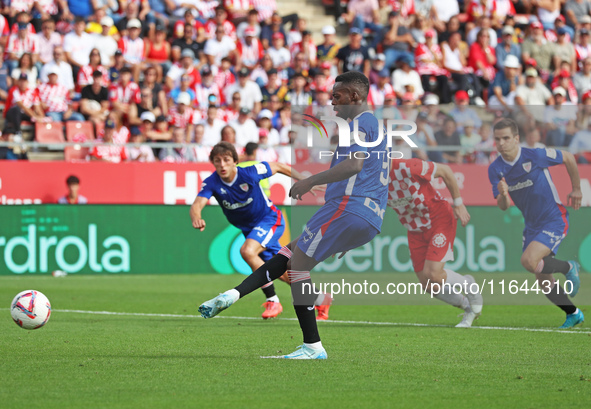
201 71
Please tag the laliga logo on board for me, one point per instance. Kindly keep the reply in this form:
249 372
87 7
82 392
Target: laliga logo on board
400 128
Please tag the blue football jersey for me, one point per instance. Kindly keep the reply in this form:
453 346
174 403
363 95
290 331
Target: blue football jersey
367 191
530 185
243 201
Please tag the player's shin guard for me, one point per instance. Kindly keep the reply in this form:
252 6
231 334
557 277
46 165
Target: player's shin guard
550 265
447 293
559 298
271 270
303 295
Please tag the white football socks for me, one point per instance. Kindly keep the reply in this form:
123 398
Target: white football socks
234 294
273 299
449 295
315 345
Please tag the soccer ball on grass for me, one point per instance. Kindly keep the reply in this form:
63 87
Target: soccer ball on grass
30 309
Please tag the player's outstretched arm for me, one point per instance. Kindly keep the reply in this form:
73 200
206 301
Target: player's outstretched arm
277 167
195 212
575 197
342 171
503 199
460 211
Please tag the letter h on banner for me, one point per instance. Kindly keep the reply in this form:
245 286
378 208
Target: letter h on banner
172 192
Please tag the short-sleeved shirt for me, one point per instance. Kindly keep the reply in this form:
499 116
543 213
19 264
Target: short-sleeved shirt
243 201
353 59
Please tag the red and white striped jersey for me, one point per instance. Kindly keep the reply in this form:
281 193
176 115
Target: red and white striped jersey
476 9
202 93
250 54
28 98
411 194
114 154
85 76
56 97
230 115
129 94
223 78
300 47
48 6
265 8
30 44
120 136
377 96
133 50
22 5
189 117
232 5
207 8
582 51
179 27
425 58
4 29
229 29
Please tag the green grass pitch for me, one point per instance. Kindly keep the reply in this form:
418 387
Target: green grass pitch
82 360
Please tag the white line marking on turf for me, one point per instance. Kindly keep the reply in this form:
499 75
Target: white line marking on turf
397 324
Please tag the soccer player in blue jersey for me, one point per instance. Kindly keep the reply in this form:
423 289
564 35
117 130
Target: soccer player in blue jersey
247 207
355 203
521 174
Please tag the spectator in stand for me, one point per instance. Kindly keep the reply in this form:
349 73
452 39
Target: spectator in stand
77 46
124 92
25 65
220 19
363 14
86 71
133 48
265 151
425 137
532 140
185 86
245 127
354 56
212 127
564 80
536 46
64 69
485 151
187 42
249 48
229 134
105 43
55 100
484 24
233 107
449 136
469 139
207 88
155 129
377 92
158 94
251 22
79 8
250 93
503 88
73 197
107 148
378 63
564 50
219 47
22 104
462 113
327 51
531 98
173 78
96 25
482 59
268 31
506 47
182 154
396 39
132 12
560 120
456 63
307 49
94 104
48 40
582 47
115 70
298 96
278 53
24 41
265 118
146 105
201 152
575 9
406 79
159 12
5 79
183 116
582 79
429 60
548 12
121 133
584 112
580 146
139 152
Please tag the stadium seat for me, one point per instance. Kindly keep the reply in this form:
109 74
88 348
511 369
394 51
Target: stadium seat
75 128
49 132
76 154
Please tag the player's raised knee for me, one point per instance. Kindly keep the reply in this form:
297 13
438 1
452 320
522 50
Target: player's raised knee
529 263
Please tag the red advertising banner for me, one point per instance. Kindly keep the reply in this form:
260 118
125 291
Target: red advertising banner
164 183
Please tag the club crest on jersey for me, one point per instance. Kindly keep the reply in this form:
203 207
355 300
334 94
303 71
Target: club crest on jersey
403 186
439 240
527 167
244 187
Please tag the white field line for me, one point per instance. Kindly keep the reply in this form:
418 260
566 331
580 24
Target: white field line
398 324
